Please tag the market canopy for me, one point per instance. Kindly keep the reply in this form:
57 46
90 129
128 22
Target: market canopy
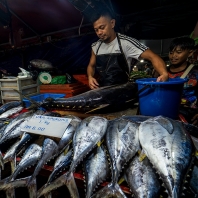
65 25
38 21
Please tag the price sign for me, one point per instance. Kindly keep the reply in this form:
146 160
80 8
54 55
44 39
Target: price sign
46 125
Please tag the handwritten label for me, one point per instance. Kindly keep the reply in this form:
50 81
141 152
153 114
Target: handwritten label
46 125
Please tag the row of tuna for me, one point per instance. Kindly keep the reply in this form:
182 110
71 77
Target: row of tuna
155 156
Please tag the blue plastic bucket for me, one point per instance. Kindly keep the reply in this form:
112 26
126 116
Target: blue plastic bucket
160 98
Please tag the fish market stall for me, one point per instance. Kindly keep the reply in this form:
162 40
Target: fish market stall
116 154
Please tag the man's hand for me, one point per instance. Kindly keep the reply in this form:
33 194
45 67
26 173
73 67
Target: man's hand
162 78
93 84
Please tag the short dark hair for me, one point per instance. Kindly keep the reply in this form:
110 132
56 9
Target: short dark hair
102 12
183 42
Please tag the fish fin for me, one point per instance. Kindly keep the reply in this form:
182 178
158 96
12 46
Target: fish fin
100 142
130 100
1 161
165 123
142 155
32 189
175 192
48 195
100 107
71 185
122 179
110 190
66 150
10 193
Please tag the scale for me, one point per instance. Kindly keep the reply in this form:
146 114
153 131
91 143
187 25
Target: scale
45 78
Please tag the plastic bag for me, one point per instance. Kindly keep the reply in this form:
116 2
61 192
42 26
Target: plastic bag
59 80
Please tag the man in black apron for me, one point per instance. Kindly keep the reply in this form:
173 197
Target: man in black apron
112 55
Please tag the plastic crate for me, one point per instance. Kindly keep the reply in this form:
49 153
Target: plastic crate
41 97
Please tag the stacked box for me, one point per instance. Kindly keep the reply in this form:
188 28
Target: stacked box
26 86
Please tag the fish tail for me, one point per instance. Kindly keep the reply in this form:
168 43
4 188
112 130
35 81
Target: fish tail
71 185
32 189
111 190
47 188
48 195
1 161
10 193
175 192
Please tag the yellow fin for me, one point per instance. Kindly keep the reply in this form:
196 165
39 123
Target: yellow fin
121 180
142 156
66 150
100 142
100 107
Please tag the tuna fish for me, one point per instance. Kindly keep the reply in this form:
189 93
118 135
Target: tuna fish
16 122
96 169
90 131
26 139
117 95
49 149
9 105
41 64
68 134
61 163
10 156
11 112
30 158
169 149
142 179
64 179
122 143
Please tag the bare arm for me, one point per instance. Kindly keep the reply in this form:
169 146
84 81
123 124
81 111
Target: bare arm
93 84
157 63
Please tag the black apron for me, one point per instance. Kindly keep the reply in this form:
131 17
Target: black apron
111 68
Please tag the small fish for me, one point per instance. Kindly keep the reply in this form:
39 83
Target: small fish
169 149
68 134
142 179
122 143
41 64
97 169
61 163
9 105
16 122
89 132
9 155
49 149
25 139
10 112
30 158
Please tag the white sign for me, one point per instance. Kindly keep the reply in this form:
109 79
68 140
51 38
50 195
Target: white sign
46 125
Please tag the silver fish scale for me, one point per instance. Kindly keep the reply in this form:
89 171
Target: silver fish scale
142 179
97 169
169 151
11 112
30 157
122 141
89 132
61 158
9 153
